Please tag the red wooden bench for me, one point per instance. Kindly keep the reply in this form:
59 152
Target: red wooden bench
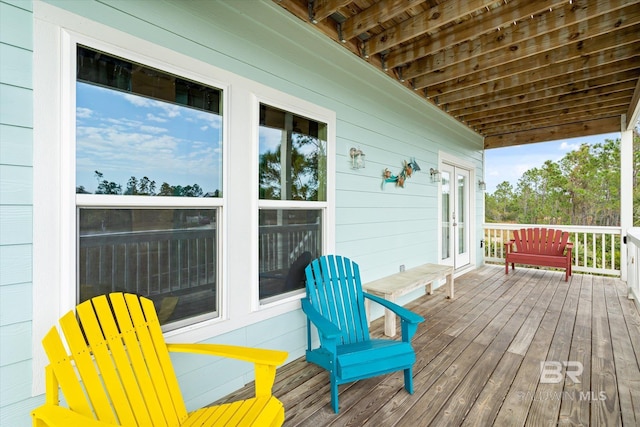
539 246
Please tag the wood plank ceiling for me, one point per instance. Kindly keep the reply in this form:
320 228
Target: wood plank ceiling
515 71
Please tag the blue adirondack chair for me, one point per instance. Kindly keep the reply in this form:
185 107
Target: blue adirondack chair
335 306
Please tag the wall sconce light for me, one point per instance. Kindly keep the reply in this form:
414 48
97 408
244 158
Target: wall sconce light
435 175
482 185
357 158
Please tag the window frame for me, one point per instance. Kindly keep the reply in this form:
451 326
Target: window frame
69 56
327 207
145 202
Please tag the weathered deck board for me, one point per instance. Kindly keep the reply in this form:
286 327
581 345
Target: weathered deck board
479 359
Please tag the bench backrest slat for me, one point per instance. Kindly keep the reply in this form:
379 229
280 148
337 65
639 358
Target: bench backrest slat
541 241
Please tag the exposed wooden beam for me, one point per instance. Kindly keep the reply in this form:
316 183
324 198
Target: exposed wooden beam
554 107
515 10
543 103
425 22
569 130
323 8
599 110
522 84
474 71
528 38
562 94
372 16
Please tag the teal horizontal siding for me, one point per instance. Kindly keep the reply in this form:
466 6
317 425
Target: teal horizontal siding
16 225
17 70
16 145
15 267
16 106
13 347
16 185
17 24
15 301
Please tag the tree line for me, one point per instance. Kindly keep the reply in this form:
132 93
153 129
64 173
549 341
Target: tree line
144 187
582 188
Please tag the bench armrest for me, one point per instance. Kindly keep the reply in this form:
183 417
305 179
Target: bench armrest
509 245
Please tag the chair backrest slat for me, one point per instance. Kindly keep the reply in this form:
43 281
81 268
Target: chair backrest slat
127 404
86 368
143 359
164 378
335 290
65 373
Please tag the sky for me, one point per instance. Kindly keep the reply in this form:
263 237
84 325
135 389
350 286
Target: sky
123 135
509 163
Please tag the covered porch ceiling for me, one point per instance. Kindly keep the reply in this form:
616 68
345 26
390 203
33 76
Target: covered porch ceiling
514 71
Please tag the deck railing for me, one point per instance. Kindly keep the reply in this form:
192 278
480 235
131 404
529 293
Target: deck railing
595 249
149 262
161 262
633 264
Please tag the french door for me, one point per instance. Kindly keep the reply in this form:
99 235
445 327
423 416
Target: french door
455 215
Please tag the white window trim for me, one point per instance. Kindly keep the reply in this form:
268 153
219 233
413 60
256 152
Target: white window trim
54 233
314 112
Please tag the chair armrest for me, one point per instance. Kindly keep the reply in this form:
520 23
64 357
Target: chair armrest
325 327
404 314
265 361
54 415
248 354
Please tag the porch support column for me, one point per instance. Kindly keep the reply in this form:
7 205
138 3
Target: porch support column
626 189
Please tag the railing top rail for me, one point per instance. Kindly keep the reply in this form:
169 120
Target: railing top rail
634 235
570 228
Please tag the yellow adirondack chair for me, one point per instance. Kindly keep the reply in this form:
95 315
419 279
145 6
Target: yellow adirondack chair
119 373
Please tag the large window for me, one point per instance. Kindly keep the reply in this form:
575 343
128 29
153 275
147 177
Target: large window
293 196
145 132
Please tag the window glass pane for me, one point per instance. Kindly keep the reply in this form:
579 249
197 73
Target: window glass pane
141 131
292 156
168 255
288 240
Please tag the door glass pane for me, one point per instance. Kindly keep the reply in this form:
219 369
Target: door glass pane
461 214
446 214
293 160
167 255
288 240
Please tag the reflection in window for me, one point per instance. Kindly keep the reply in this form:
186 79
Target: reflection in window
145 132
168 255
141 131
292 156
288 240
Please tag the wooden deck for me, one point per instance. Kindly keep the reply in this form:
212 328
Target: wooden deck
479 359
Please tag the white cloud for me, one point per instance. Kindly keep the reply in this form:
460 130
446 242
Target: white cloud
154 118
566 146
83 113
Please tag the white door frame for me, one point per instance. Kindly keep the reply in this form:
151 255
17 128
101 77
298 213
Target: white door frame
450 159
